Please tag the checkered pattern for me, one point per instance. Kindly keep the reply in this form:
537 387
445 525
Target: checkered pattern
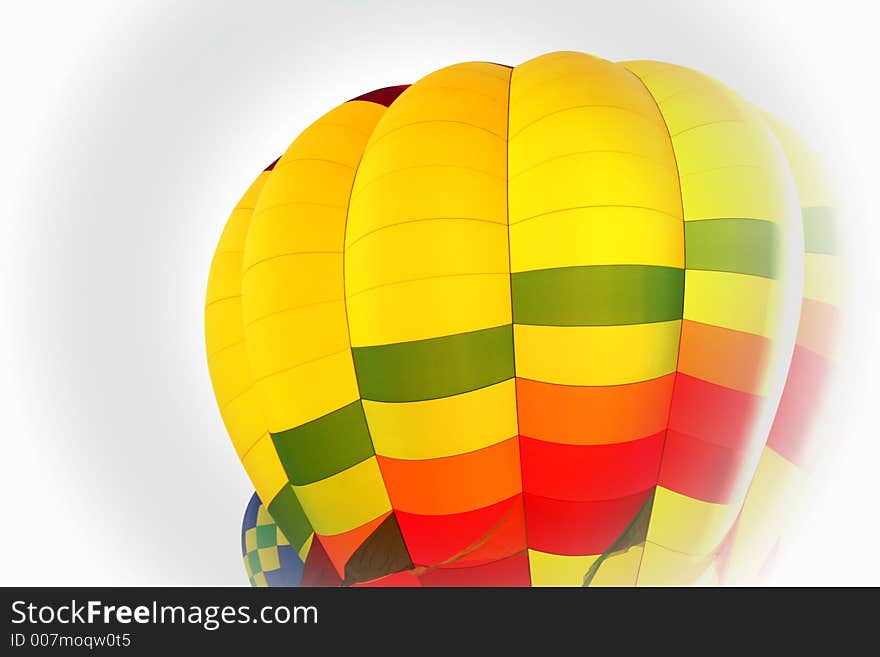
269 560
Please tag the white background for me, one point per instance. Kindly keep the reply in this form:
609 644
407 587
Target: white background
129 130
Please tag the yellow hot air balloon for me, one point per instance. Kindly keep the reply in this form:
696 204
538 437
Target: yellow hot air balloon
512 326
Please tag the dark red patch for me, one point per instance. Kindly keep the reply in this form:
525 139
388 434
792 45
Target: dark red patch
319 570
384 96
272 166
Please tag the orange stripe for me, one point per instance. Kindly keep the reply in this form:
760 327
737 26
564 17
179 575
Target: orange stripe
454 484
593 415
818 328
733 359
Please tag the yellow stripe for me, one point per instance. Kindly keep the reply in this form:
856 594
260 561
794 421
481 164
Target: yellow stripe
304 550
688 525
293 290
822 276
276 285
426 244
450 247
729 162
810 175
618 569
245 422
264 468
346 500
735 301
310 390
596 236
766 514
222 324
663 567
296 337
596 355
443 427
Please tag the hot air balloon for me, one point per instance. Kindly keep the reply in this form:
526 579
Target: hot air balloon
269 560
521 326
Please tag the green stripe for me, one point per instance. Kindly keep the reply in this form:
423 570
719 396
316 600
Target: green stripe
743 246
434 368
287 513
326 446
820 230
597 295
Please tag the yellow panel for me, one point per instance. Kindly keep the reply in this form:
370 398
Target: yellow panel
596 355
619 568
239 222
295 228
590 179
809 172
230 373
582 129
735 301
250 539
244 419
263 516
423 309
291 281
770 502
822 278
293 289
342 132
346 500
224 319
240 406
295 337
424 193
688 525
224 279
443 427
728 159
597 236
473 93
568 80
558 569
585 133
664 567
415 268
260 580
264 468
323 182
439 247
722 192
299 395
304 550
269 558
280 538
441 144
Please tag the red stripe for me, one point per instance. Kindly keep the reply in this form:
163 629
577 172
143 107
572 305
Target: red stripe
807 378
713 413
513 571
579 528
499 528
702 470
590 472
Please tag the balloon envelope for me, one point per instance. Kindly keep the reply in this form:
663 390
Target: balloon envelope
512 325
